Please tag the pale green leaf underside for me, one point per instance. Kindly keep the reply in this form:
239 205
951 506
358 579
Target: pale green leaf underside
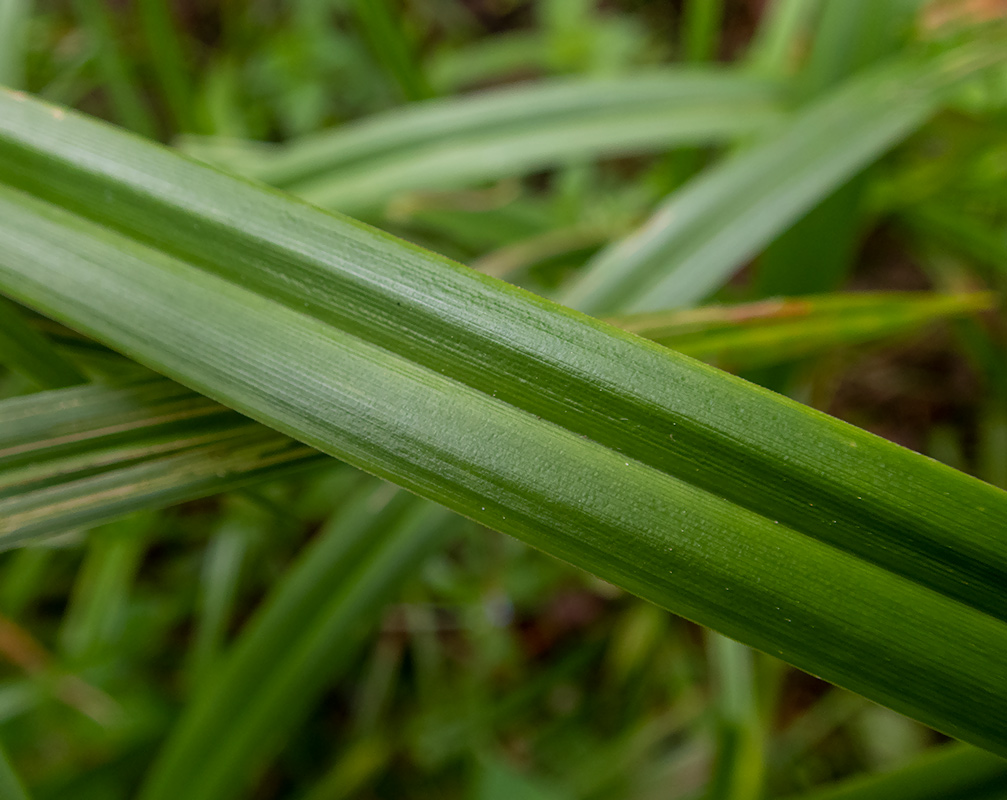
781 527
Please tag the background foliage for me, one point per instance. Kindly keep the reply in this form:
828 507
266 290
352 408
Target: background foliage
296 629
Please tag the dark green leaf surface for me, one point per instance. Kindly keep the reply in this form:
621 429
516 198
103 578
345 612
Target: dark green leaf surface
777 525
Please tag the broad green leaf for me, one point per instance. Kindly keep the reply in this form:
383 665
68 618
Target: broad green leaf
773 331
704 232
296 644
464 141
79 456
101 474
777 525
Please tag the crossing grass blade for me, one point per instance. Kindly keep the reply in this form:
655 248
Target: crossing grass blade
154 443
513 131
25 350
13 23
700 235
734 507
769 332
297 643
957 771
79 456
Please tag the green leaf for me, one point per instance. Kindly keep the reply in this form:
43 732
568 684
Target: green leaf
773 331
790 531
704 232
80 456
513 131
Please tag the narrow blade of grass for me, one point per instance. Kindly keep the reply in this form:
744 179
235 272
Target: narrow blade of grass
85 455
450 143
11 787
382 29
14 16
956 770
307 631
703 233
30 353
770 332
168 58
117 73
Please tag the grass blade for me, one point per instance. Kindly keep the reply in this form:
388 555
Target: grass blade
451 143
80 456
168 58
956 771
701 234
773 331
25 350
296 644
13 22
11 787
382 30
701 24
116 69
730 505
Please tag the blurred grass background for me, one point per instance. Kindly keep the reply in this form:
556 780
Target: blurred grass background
417 656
